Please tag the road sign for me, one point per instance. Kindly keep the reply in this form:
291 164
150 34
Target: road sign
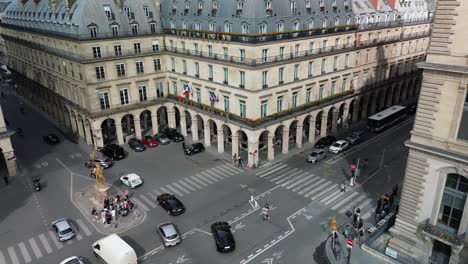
349 243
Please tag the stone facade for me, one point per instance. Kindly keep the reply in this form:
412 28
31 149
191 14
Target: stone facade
8 158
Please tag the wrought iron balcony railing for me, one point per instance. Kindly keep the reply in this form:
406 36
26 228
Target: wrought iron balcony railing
443 234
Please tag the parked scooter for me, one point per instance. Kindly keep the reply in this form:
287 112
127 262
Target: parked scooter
37 184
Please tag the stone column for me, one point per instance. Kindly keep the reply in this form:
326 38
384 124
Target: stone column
235 145
364 110
195 129
154 124
299 136
344 118
207 133
285 147
323 125
396 98
98 140
137 128
373 105
404 92
171 119
88 134
10 161
183 124
118 129
80 129
253 148
73 124
271 150
220 141
311 130
334 120
355 112
389 99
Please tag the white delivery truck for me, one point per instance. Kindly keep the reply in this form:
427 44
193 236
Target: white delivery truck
114 250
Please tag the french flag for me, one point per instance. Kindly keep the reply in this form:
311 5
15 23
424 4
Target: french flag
213 97
187 90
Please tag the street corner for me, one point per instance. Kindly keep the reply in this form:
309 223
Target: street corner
107 221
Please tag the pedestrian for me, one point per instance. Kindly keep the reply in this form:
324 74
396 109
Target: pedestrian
379 203
126 193
395 190
113 214
239 165
106 203
355 216
234 158
358 211
94 214
5 178
343 187
361 234
103 216
360 224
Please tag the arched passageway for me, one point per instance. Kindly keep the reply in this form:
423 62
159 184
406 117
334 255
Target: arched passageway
162 117
128 126
109 131
146 122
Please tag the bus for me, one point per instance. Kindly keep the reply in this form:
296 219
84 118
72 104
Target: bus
385 118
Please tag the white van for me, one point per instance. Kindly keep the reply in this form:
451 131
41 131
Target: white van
114 250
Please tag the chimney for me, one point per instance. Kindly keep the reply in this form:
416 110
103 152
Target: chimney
119 4
376 4
392 3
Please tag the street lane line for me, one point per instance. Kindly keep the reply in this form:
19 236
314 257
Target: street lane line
174 190
214 174
206 174
292 176
197 180
45 243
283 174
2 258
152 196
192 182
148 201
367 215
54 239
13 256
203 178
332 197
325 191
188 186
35 247
307 187
164 190
353 203
271 171
345 200
24 252
289 184
274 166
83 227
181 187
224 171
318 188
140 204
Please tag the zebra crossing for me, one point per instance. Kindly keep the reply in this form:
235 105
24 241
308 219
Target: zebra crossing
187 185
34 248
318 189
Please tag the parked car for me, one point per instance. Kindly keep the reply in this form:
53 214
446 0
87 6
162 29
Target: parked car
325 141
73 260
173 135
136 145
195 148
132 180
316 155
223 237
113 151
63 229
169 234
150 141
339 146
355 137
162 138
411 108
104 162
51 139
171 204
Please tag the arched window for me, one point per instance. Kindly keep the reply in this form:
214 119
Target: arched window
453 202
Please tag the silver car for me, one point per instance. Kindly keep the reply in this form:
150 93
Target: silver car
355 137
316 155
169 234
162 139
104 162
63 229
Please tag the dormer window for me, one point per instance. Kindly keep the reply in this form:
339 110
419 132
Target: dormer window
135 29
215 5
240 5
292 6
115 30
172 24
322 6
184 25
127 11
268 5
211 26
345 2
187 6
307 4
334 3
93 32
108 12
147 11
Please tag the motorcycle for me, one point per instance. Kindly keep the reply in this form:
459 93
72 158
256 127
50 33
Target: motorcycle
37 184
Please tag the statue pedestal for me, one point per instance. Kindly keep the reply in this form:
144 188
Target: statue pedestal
101 193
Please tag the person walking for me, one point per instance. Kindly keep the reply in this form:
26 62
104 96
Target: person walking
234 158
126 193
343 187
239 159
5 178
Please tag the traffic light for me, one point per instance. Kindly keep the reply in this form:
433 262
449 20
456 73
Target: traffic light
333 224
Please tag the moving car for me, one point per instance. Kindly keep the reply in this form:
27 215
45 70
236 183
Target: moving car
136 144
169 234
223 237
132 180
173 135
51 139
171 204
73 260
339 146
355 137
104 162
63 229
150 141
113 151
114 250
325 141
316 155
162 138
193 149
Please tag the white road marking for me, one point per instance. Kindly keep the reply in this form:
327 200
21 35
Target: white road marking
308 187
78 235
292 176
140 204
268 169
13 256
367 215
202 178
198 180
278 172
164 190
157 192
332 197
366 202
148 201
2 258
45 243
299 177
35 248
188 186
283 174
204 173
54 239
354 202
83 227
192 182
215 174
345 200
174 190
271 171
152 196
309 179
230 169
318 188
181 187
325 191
24 252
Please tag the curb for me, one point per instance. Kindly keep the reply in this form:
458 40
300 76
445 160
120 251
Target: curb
377 254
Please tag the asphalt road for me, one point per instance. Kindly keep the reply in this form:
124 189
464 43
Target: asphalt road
303 196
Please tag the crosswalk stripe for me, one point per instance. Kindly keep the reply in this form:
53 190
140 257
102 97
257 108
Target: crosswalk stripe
291 183
152 196
192 182
24 252
230 169
278 172
148 201
308 187
324 191
203 178
206 174
330 195
214 174
2 258
83 227
274 166
186 185
283 174
366 202
271 171
317 188
181 187
309 181
219 173
35 248
351 196
300 176
333 197
354 202
140 204
224 172
45 243
367 215
174 190
199 181
54 239
78 235
157 192
165 190
292 176
235 168
13 256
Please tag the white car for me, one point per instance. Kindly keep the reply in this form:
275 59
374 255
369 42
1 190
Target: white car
73 260
339 146
131 180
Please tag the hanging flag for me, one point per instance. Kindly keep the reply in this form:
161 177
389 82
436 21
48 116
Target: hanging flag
187 90
213 97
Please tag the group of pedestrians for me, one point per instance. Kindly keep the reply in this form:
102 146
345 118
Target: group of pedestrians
113 207
266 212
237 160
356 229
384 204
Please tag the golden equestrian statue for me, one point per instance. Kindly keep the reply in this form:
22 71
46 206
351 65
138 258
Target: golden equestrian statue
100 179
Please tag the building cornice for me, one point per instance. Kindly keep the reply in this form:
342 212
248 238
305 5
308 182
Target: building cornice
442 67
434 151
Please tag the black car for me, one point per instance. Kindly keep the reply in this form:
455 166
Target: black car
223 237
325 142
136 144
51 139
193 149
113 151
171 204
173 135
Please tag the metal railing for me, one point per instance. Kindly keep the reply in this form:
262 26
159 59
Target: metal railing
443 234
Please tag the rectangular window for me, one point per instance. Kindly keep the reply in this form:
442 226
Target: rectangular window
279 104
311 47
137 48
225 75
135 30
343 85
198 94
264 108
242 55
310 70
296 72
297 50
115 30
172 64
242 108
210 50
195 47
453 203
197 70
147 10
281 75
333 87
367 56
242 79
157 64
155 45
346 61
335 63
184 67
324 66
308 95
97 52
265 55
225 53
159 89
142 93
93 32
264 79
174 88
124 96
120 70
281 53
153 27
226 104
100 74
118 50
104 100
294 99
140 69
463 128
210 72
321 88
358 58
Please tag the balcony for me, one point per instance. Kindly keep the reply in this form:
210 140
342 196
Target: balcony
443 235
